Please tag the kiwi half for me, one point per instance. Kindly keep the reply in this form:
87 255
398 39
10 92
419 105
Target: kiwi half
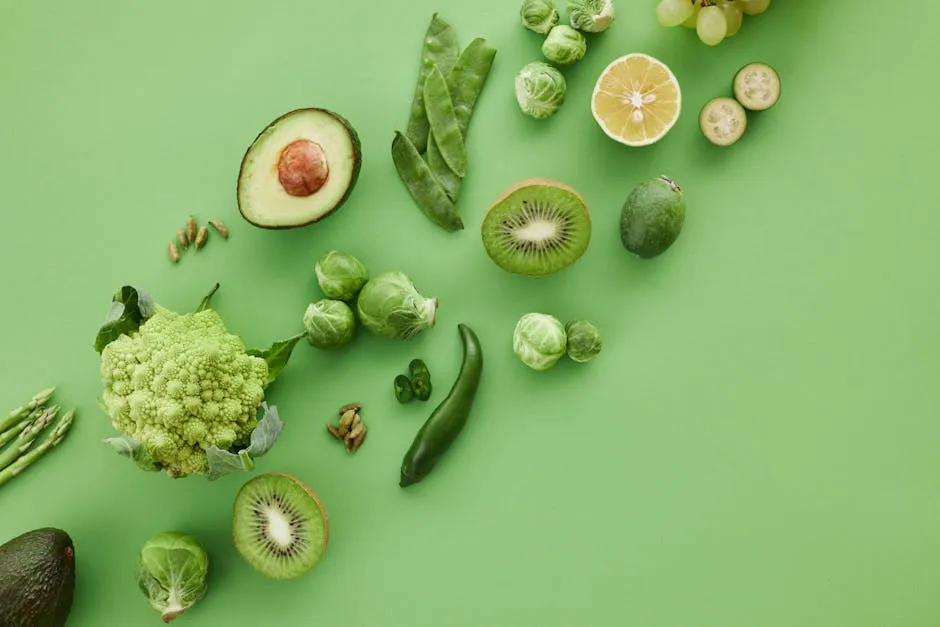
537 227
280 526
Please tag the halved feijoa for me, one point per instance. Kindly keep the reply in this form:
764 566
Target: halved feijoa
299 169
537 227
723 121
756 86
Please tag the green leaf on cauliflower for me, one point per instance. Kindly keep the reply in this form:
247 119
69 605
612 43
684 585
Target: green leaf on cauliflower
134 451
262 439
225 463
266 433
130 307
277 355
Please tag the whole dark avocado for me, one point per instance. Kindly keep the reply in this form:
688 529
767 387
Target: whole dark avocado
37 579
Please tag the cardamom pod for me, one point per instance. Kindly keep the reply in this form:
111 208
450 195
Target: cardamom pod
349 406
202 237
346 422
182 238
191 228
221 228
334 432
357 420
356 431
359 439
174 253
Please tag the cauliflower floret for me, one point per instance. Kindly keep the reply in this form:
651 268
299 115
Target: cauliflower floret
181 384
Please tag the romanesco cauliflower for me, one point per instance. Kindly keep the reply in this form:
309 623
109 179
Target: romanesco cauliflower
180 384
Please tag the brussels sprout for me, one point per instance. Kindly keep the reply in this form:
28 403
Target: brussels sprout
171 570
340 275
540 89
564 45
584 340
329 324
591 16
539 340
539 15
389 305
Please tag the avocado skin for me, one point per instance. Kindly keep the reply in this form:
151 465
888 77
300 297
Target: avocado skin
354 141
37 579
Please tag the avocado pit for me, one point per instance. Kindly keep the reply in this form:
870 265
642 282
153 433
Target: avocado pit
302 168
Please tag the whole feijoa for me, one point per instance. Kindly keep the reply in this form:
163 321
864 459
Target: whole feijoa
652 217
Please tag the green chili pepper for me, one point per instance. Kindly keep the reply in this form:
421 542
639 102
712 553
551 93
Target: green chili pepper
444 126
440 48
465 84
403 390
417 368
449 418
422 387
424 189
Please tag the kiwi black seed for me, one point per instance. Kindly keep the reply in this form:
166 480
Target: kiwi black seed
537 227
280 526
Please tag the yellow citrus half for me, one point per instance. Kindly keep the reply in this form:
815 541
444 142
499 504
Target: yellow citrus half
636 100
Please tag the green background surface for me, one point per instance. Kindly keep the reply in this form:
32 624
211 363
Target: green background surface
756 446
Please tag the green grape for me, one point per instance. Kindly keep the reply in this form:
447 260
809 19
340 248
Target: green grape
711 26
754 7
693 18
673 12
733 16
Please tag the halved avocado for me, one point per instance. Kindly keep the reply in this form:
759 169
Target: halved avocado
301 168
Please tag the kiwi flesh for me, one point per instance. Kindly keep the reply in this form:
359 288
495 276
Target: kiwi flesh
537 227
280 526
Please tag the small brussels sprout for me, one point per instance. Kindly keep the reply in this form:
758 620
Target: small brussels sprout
591 16
171 570
540 89
584 340
564 45
391 306
340 275
539 15
539 340
329 324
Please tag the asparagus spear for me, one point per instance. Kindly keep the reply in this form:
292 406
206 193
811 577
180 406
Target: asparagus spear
52 440
27 437
18 414
11 433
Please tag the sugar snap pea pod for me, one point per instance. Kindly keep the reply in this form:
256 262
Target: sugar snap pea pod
444 126
465 83
424 189
441 49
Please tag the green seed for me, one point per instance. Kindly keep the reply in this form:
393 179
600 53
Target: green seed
403 391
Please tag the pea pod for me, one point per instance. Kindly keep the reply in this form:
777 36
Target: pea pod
440 49
465 84
425 190
447 421
444 127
